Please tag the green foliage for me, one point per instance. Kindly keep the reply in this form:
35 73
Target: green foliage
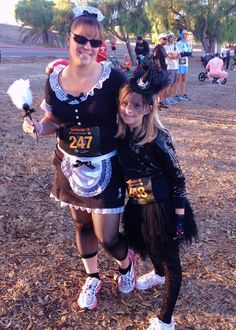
62 14
124 18
35 13
38 14
208 20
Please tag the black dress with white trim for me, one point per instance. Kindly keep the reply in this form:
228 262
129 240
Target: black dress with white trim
91 121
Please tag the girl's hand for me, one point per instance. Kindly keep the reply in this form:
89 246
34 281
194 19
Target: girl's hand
179 227
32 126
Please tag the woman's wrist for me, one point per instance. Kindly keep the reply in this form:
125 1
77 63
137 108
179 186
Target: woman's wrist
39 128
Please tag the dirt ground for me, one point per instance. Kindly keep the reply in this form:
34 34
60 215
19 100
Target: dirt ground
40 271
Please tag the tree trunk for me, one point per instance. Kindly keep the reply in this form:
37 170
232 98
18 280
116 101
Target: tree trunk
130 52
208 44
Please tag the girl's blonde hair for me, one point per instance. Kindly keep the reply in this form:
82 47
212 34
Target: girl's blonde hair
151 122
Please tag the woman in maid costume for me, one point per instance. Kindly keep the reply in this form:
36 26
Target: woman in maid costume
81 108
157 216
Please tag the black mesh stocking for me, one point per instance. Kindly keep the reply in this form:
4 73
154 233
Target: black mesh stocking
173 278
85 239
158 266
106 228
101 227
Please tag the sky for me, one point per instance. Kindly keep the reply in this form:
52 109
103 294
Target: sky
7 11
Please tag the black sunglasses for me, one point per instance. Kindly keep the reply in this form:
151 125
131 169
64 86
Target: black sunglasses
95 43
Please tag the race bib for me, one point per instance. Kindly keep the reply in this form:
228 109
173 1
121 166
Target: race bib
80 141
182 61
140 191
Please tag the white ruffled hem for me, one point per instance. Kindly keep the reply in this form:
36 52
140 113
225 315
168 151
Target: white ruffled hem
89 210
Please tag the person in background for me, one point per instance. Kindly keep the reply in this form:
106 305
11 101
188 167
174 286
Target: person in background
113 45
227 59
142 48
50 66
102 53
127 63
157 217
185 52
172 60
80 110
159 55
215 69
223 53
180 34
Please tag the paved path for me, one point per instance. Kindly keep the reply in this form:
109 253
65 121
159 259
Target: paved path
25 51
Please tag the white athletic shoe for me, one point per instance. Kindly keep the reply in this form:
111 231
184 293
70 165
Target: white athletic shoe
87 298
157 324
149 280
127 282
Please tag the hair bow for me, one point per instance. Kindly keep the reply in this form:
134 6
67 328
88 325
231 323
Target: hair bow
88 11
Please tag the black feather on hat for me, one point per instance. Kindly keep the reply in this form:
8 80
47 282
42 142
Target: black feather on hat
141 83
149 82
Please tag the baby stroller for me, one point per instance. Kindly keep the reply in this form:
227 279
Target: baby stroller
203 75
233 65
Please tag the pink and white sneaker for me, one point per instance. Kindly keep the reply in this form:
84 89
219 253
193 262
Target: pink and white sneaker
87 298
127 282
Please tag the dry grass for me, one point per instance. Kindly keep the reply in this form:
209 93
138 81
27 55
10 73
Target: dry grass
40 271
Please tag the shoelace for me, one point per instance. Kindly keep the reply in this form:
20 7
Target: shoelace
90 287
126 280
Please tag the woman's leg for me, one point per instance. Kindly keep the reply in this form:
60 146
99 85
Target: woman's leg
85 239
182 83
87 248
106 227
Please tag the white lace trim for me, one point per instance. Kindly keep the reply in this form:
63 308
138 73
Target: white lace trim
89 210
63 96
87 183
79 11
45 106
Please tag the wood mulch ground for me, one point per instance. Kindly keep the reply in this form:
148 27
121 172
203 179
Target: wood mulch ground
40 272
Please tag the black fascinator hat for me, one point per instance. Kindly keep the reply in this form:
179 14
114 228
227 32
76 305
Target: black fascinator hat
149 81
142 84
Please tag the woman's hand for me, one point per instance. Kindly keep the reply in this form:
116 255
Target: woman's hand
32 126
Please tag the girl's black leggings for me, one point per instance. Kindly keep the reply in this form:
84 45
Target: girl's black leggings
170 267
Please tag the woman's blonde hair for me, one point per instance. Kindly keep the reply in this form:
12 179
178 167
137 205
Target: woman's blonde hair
151 122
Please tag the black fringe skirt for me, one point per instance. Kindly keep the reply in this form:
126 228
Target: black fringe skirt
152 227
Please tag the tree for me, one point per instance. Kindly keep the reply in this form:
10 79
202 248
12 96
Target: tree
62 14
208 20
37 14
161 17
123 18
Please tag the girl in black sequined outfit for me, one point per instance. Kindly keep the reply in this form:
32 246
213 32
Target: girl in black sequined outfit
80 108
157 216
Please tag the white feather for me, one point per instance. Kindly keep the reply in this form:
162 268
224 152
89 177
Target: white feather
20 93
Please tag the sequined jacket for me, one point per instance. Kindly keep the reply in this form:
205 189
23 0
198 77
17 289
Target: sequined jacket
157 160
